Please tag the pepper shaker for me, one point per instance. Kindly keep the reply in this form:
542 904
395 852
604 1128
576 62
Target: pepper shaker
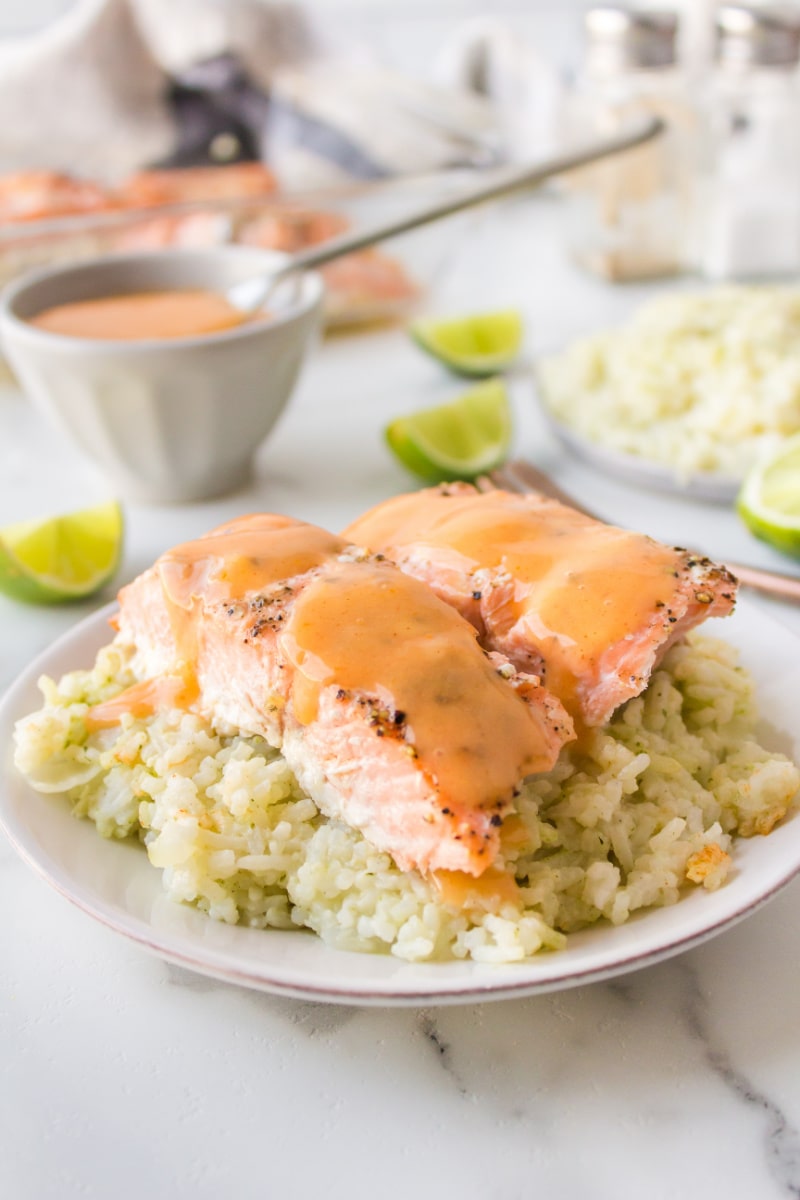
749 217
629 215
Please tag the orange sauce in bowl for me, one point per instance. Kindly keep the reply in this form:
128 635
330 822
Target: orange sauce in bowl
138 316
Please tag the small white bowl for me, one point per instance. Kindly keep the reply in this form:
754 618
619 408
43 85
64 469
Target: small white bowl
169 420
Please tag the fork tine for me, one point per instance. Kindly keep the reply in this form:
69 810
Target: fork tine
536 480
519 475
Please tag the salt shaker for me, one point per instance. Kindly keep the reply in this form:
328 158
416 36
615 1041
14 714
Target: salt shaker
749 217
629 215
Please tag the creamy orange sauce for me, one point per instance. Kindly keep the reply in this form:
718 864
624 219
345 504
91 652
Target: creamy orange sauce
515 833
237 560
142 315
143 700
580 587
247 555
494 887
369 629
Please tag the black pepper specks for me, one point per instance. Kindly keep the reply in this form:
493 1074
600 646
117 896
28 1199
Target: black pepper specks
385 721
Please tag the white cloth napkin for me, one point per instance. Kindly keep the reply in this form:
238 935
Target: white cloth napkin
85 95
90 94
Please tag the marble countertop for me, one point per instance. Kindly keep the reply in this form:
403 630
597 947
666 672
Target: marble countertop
125 1076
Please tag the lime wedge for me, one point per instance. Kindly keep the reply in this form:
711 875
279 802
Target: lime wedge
476 346
460 440
61 558
769 502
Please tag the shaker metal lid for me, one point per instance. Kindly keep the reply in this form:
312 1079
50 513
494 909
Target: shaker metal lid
756 35
622 39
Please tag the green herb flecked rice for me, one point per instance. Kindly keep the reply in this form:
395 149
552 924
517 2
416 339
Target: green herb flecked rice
696 381
626 820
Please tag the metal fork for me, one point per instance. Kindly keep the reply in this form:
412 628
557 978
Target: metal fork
521 476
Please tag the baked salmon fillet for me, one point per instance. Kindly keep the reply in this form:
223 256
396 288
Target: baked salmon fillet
589 608
390 714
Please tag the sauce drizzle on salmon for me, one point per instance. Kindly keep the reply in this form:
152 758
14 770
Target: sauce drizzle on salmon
384 705
588 607
369 629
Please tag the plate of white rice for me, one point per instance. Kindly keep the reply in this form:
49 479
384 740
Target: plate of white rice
687 394
645 841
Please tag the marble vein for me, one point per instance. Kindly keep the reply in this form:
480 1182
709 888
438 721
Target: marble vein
782 1139
429 1029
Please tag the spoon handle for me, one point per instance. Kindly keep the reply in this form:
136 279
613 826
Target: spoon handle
501 184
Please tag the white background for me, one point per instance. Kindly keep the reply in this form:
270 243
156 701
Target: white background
555 22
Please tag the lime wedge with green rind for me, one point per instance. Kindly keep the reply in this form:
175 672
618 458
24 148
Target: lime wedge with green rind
474 346
63 558
460 440
769 501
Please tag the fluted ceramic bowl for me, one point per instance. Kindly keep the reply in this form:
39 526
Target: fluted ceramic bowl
172 420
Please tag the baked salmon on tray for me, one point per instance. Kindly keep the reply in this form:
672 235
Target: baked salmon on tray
50 216
508 739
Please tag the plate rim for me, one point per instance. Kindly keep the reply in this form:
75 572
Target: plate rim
482 984
709 487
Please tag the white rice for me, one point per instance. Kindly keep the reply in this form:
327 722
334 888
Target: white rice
628 820
702 381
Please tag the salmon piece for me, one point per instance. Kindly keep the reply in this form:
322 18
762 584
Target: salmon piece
390 714
589 608
288 231
369 277
291 229
192 230
359 284
183 185
44 194
39 195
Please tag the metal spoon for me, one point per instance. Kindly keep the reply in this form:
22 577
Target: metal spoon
251 294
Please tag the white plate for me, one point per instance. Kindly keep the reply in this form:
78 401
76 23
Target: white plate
709 486
116 885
